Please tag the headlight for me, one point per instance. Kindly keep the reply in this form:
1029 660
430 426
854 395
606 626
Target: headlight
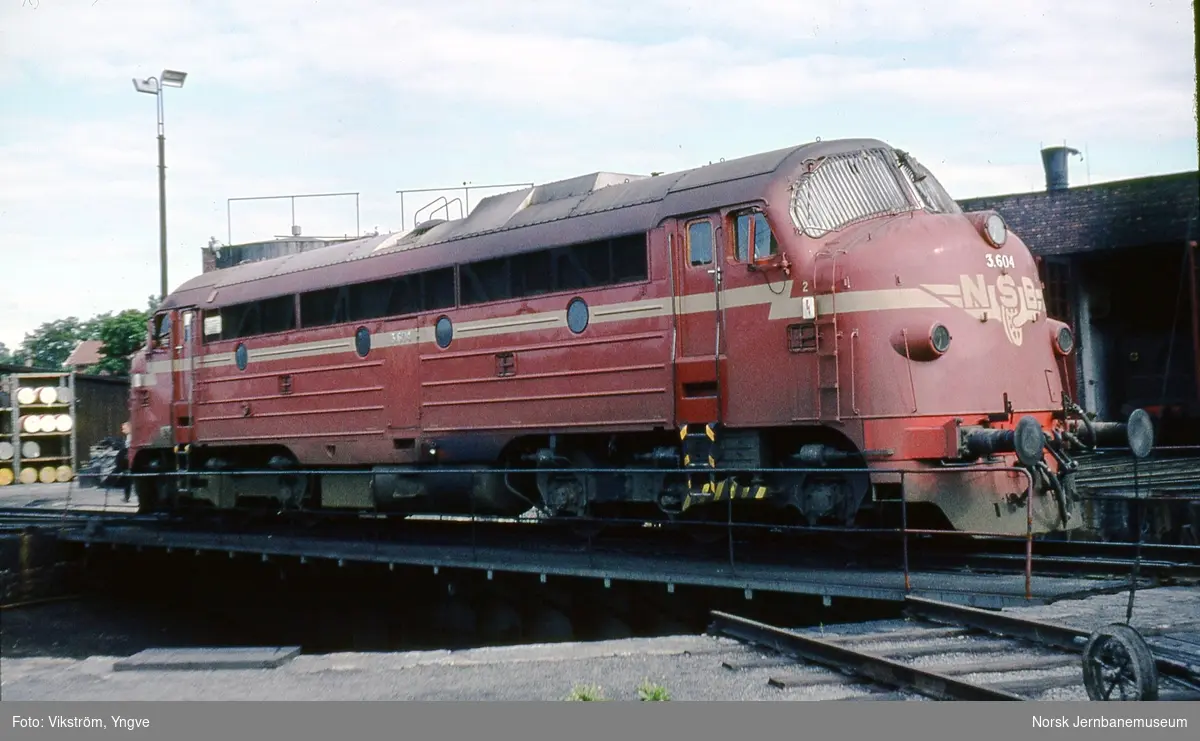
939 336
995 230
1064 341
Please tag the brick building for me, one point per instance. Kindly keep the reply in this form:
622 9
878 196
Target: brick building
1119 263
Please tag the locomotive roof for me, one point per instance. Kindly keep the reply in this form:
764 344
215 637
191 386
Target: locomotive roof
580 209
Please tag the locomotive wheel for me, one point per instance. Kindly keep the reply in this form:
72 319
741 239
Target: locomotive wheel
565 494
146 490
1117 658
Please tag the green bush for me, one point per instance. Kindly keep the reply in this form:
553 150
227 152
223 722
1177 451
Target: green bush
586 693
653 692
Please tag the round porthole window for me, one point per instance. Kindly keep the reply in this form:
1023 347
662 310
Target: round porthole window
241 356
577 315
443 332
362 342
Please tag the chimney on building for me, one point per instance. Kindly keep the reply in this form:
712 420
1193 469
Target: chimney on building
1054 160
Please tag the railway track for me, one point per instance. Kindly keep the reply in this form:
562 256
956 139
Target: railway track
946 652
20 519
742 545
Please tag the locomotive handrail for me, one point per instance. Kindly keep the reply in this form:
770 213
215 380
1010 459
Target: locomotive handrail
445 204
730 526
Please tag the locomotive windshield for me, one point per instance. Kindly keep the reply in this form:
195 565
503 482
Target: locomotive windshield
848 188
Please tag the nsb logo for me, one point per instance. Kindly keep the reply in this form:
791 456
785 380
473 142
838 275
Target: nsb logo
1011 301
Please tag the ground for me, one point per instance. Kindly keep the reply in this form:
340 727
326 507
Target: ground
66 496
689 667
45 654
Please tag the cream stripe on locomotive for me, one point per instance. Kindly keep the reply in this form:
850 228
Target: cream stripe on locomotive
783 306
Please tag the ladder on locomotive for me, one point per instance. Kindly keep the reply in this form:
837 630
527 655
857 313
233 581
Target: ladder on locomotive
699 453
183 464
829 394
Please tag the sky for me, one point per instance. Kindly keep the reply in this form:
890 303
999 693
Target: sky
373 96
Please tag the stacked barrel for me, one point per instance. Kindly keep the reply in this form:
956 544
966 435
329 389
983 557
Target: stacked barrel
38 444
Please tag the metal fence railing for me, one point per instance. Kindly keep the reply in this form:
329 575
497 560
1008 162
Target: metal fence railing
739 533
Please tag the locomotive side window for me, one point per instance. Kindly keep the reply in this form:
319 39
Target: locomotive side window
438 289
325 307
162 330
370 300
532 273
487 280
406 294
574 267
254 318
765 243
239 321
278 314
700 242
629 259
751 227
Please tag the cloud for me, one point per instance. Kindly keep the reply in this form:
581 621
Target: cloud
372 96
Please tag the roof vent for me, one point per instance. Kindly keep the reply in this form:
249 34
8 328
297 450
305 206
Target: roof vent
1054 160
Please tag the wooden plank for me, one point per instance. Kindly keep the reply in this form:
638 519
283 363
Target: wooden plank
807 679
1040 685
980 646
1020 664
876 697
894 636
737 666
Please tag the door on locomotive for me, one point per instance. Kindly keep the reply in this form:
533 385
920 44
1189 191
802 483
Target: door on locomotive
183 358
698 263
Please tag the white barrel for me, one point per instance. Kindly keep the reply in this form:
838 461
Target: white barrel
31 424
30 449
63 422
6 450
29 475
65 395
63 474
47 395
6 476
26 396
47 474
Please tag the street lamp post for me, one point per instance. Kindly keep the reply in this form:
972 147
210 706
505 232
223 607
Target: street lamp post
154 86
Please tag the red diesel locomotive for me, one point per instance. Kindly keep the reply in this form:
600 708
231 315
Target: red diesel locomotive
826 307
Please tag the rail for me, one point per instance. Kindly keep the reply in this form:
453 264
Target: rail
859 663
1049 635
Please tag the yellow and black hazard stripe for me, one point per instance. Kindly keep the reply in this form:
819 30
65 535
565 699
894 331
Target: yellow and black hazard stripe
724 490
705 440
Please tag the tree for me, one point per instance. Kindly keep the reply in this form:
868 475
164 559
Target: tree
50 344
121 336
